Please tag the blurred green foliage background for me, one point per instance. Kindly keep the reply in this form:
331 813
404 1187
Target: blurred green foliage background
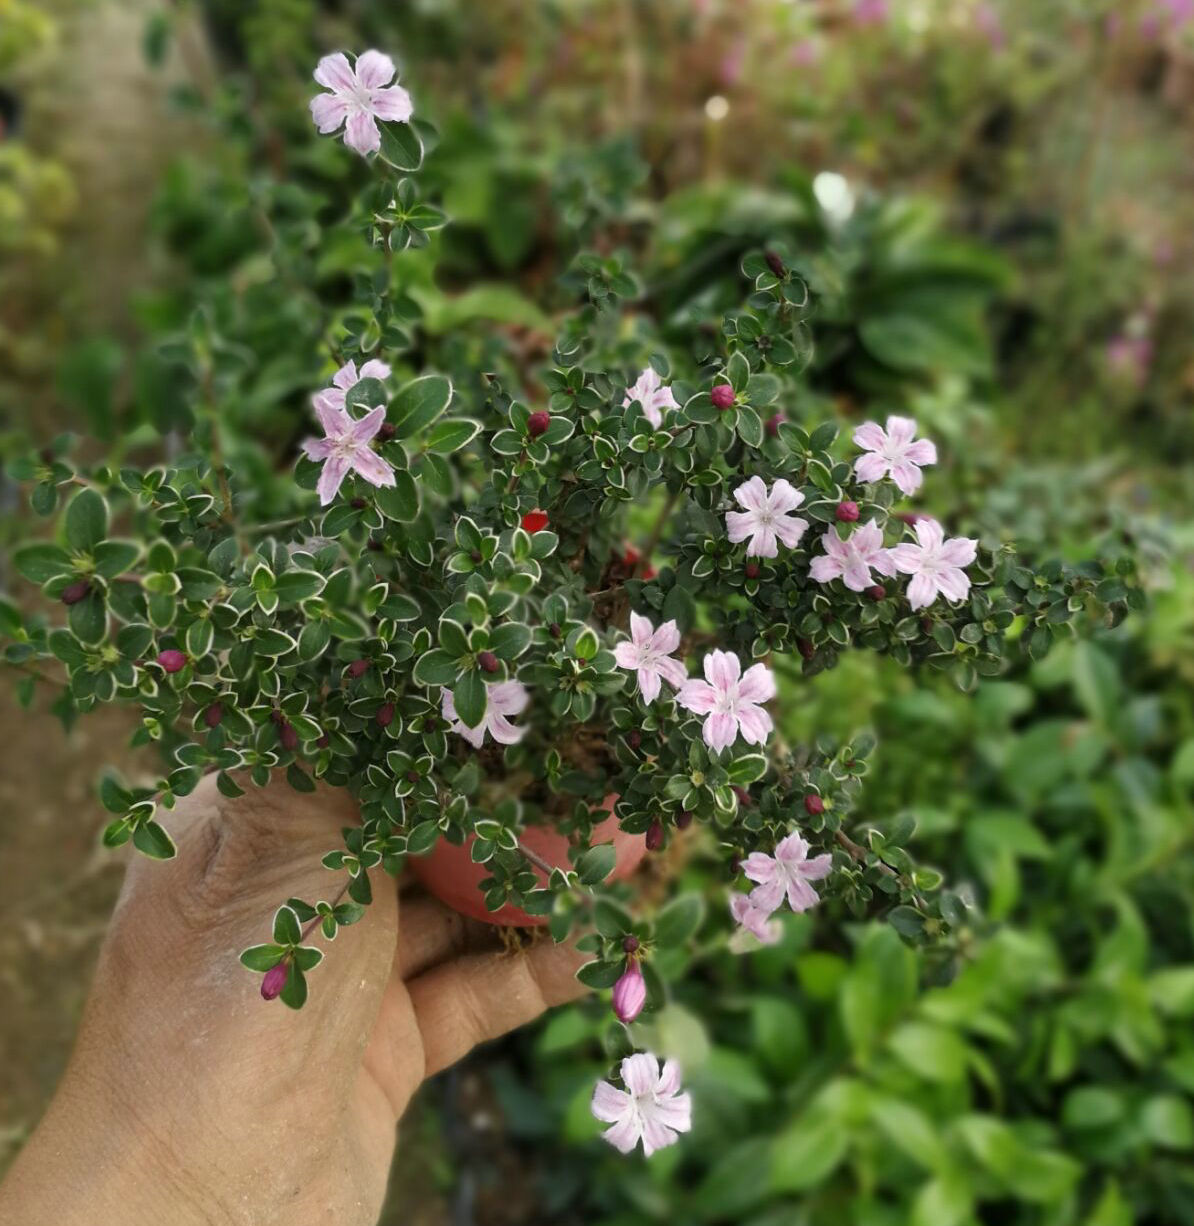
991 205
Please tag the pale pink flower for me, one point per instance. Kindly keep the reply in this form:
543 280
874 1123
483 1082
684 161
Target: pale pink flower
346 447
502 699
344 380
754 920
766 517
870 12
853 559
894 452
651 1109
648 389
935 564
630 992
730 701
359 97
649 653
805 53
789 872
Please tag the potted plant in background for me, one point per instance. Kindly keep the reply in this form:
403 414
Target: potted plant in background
528 616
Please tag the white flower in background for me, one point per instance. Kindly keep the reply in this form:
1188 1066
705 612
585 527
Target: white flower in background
502 699
787 872
935 564
652 1109
766 517
359 98
648 389
852 560
730 700
895 452
648 653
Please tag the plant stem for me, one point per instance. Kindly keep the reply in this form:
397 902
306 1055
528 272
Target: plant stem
312 924
537 860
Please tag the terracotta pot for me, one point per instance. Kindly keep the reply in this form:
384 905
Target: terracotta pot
449 873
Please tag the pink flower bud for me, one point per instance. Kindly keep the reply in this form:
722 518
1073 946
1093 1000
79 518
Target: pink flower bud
655 835
287 735
630 943
813 804
846 513
876 591
773 424
538 423
75 592
213 715
683 819
172 660
488 661
385 714
275 980
775 263
630 992
358 668
722 396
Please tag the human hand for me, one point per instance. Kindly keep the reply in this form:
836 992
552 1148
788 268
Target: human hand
189 1099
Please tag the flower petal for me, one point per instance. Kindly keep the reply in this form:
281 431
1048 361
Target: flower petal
335 469
740 525
361 134
641 629
929 533
673 672
763 544
720 730
667 638
953 584
923 451
907 558
335 72
627 655
801 895
669 1078
317 448
870 436
757 684
825 569
722 669
374 69
817 867
870 467
958 551
609 1103
752 494
328 111
784 496
754 723
697 696
363 430
640 1072
329 408
922 591
375 369
789 529
372 467
624 1135
900 432
908 477
503 731
760 867
345 377
392 105
792 849
648 684
856 575
508 697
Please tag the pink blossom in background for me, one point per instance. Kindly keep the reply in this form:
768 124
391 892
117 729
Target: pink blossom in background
649 390
358 98
935 564
990 25
766 518
786 873
754 920
502 699
730 700
652 1109
346 448
729 71
852 560
870 12
804 53
1130 356
648 654
895 452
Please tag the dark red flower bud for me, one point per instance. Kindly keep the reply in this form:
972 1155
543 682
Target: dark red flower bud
630 945
775 263
385 714
214 715
554 630
655 835
926 624
752 570
324 741
172 660
358 668
488 661
534 521
476 556
773 424
634 738
813 804
876 591
630 558
359 504
385 432
275 980
276 716
538 423
413 776
683 819
75 592
846 513
806 648
722 396
374 545
743 796
287 735
909 517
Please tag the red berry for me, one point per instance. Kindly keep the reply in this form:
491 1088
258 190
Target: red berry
876 591
385 714
214 715
538 423
488 661
846 513
773 424
172 660
813 804
535 521
358 668
655 835
75 592
722 396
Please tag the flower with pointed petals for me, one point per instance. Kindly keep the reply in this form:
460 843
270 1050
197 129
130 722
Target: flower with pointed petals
649 653
729 699
649 391
502 699
789 872
344 380
754 921
359 97
346 447
652 1109
935 564
766 517
853 559
895 452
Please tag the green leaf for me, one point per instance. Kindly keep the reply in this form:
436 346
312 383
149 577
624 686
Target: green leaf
470 698
151 840
679 920
600 975
296 585
420 403
262 957
435 668
401 146
508 642
286 927
115 557
294 994
596 864
451 434
399 501
41 562
86 520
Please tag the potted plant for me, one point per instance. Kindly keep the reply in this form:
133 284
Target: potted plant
528 617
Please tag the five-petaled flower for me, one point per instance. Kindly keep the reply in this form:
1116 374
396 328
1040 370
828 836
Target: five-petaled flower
754 920
344 380
359 98
894 452
502 699
789 872
652 1109
766 517
346 447
649 654
648 389
852 560
935 564
729 699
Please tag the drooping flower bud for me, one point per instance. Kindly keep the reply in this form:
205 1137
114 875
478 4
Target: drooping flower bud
74 592
743 795
275 980
172 660
775 263
772 424
722 396
287 735
358 668
634 738
488 661
385 714
385 432
324 741
806 648
534 521
813 804
214 715
655 835
630 992
538 423
846 512
876 591
683 819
